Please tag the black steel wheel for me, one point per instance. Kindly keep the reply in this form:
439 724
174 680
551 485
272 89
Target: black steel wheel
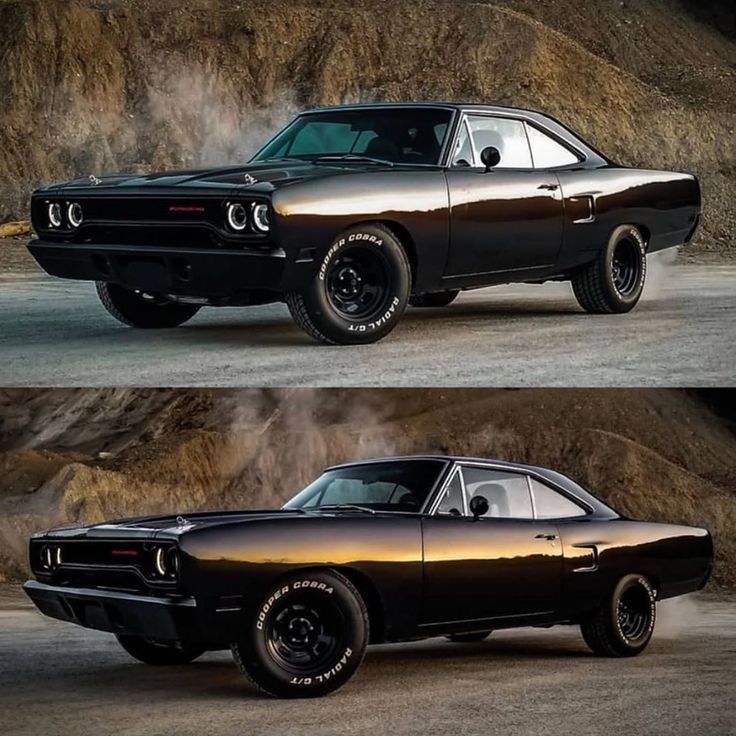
139 309
360 291
159 654
623 625
437 299
306 638
469 638
614 282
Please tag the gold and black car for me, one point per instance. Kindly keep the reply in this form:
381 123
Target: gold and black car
375 551
351 213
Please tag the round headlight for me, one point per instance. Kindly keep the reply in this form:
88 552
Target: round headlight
261 218
159 561
74 214
237 216
50 557
166 562
54 212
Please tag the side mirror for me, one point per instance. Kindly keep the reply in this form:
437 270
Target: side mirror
490 157
478 506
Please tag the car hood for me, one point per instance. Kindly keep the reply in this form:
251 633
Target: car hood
257 178
171 525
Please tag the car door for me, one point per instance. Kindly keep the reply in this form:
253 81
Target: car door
503 564
507 219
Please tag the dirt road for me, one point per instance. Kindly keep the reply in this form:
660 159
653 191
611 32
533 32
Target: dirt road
57 678
54 332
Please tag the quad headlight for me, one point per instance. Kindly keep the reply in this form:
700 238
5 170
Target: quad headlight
261 218
237 216
74 214
50 556
54 214
250 216
166 562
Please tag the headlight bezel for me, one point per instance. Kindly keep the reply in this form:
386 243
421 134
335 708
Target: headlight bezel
260 216
240 224
55 215
71 217
165 562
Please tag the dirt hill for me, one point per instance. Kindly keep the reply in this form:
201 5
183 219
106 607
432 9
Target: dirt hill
88 455
92 86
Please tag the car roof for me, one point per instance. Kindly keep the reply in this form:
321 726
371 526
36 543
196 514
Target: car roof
430 104
552 476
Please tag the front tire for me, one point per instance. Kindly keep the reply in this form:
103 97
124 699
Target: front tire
623 625
614 282
137 309
306 638
158 654
360 291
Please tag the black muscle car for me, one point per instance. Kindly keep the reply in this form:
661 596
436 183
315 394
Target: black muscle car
352 212
376 551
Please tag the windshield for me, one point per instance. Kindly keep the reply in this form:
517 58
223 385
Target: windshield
389 486
396 135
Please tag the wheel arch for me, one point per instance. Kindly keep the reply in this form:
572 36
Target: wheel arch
405 238
371 597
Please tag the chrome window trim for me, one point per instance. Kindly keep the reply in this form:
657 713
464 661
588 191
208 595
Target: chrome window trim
437 500
525 120
589 510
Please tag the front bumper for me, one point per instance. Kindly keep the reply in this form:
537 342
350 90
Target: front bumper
202 272
161 619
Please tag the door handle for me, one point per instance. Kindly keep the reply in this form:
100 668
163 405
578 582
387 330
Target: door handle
548 537
549 187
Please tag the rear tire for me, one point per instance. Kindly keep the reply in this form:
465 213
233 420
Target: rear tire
156 654
469 638
623 625
136 309
306 638
614 282
360 291
437 299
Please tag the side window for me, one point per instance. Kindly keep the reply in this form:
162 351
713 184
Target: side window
452 502
507 493
550 504
547 152
508 136
463 155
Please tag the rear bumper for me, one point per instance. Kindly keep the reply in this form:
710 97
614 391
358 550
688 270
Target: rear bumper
183 271
161 619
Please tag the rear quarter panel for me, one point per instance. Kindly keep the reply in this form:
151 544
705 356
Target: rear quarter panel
664 205
246 559
676 559
309 216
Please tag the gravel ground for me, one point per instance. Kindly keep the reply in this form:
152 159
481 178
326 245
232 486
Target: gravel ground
59 679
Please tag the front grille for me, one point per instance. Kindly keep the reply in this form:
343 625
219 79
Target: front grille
114 565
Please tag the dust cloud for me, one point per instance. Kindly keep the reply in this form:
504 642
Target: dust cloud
676 616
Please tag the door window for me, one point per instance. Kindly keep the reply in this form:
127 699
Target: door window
452 499
548 153
507 493
550 504
463 148
508 136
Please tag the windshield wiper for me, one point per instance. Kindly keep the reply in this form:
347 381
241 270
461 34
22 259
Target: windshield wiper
353 158
279 159
338 506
